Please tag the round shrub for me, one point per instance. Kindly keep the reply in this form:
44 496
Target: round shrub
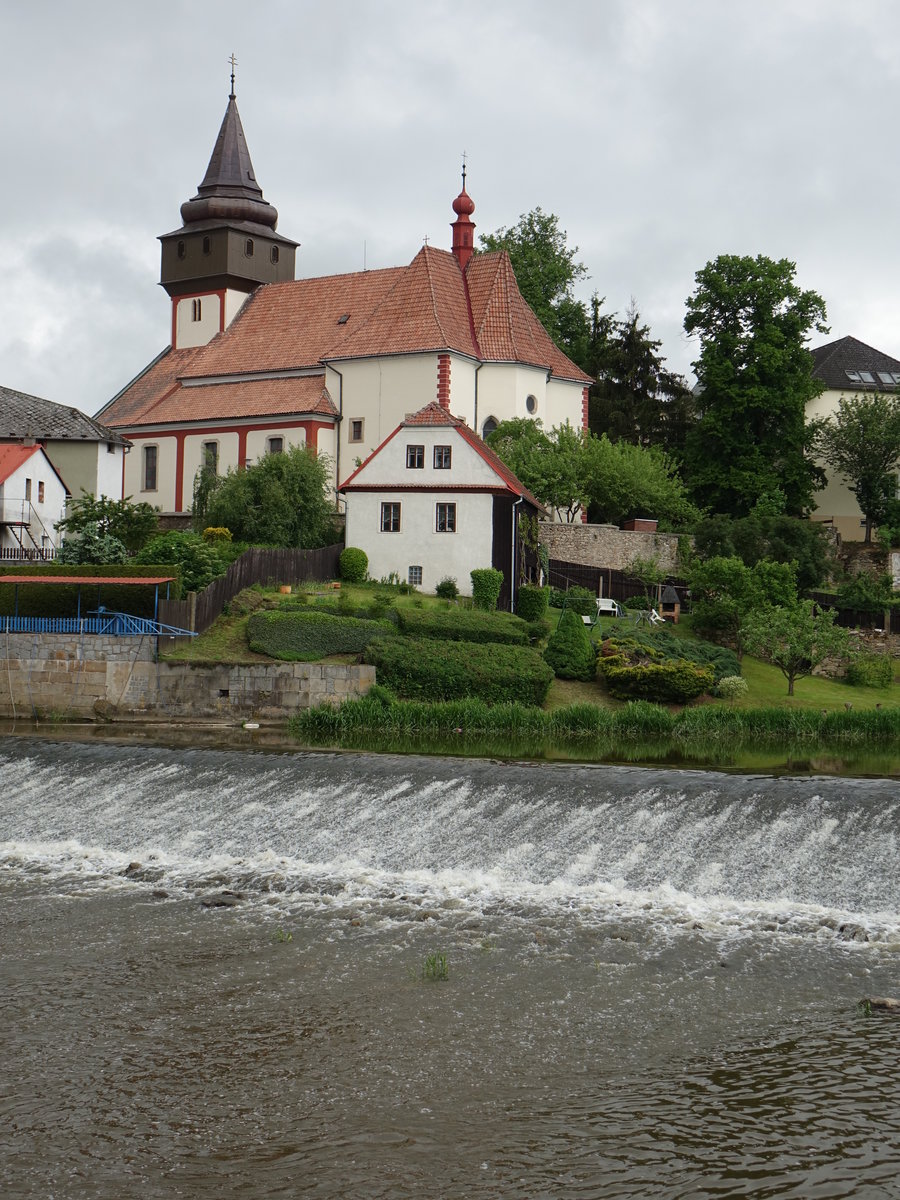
732 687
531 602
353 564
570 651
216 533
447 589
486 584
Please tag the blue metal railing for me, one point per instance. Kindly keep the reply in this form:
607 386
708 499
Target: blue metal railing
112 624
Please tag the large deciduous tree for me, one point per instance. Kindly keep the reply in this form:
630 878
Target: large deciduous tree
755 379
862 441
546 270
132 524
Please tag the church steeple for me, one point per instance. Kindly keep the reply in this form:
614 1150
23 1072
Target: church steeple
227 244
463 227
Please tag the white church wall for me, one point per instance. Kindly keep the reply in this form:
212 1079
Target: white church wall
197 320
258 440
163 497
380 392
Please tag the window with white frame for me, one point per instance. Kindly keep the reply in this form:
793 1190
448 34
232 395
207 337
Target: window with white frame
390 517
415 458
357 426
442 458
445 518
415 576
151 459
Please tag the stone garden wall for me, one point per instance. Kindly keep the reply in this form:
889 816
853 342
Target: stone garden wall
607 546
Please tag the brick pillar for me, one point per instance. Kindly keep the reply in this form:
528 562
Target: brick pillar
443 381
584 407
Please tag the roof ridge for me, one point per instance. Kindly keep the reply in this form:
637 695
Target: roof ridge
434 303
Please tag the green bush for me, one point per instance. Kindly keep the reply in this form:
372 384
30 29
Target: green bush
462 625
666 645
353 564
307 636
576 599
421 669
447 589
731 688
486 585
871 670
200 561
570 651
532 602
673 681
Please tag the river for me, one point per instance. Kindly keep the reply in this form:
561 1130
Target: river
212 978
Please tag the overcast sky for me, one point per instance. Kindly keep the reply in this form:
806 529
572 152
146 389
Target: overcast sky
661 132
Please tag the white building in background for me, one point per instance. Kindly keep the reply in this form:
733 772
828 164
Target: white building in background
847 367
433 501
89 456
259 361
32 502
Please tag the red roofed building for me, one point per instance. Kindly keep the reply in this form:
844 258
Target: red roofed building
434 501
260 361
32 500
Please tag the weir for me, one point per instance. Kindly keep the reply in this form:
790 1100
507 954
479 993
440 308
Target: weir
806 855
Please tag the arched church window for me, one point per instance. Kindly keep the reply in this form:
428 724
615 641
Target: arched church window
206 245
274 254
248 247
488 427
181 250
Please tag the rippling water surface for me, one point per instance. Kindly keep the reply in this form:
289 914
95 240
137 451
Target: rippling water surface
212 986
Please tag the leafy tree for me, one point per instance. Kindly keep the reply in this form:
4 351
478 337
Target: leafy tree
762 535
569 470
795 639
199 561
92 545
546 271
725 591
281 500
755 379
132 524
862 441
635 399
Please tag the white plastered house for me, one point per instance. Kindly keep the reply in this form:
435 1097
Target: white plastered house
32 502
434 501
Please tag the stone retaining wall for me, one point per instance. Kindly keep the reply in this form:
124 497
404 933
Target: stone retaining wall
607 546
60 676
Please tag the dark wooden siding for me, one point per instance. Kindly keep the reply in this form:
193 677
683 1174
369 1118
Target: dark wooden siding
501 555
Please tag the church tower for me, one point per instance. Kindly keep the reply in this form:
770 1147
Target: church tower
227 244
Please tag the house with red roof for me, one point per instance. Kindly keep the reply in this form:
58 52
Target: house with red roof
260 361
434 501
32 501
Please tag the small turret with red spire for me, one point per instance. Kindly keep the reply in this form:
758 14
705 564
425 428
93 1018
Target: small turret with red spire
463 227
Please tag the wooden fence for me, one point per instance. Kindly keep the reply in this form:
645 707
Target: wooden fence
604 581
851 618
198 611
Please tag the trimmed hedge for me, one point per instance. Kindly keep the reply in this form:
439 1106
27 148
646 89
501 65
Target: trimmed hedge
56 600
486 585
570 651
353 564
532 602
673 681
304 636
463 625
661 644
422 669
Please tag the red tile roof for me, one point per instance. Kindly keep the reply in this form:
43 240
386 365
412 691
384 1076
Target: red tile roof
428 306
300 395
12 456
433 414
506 328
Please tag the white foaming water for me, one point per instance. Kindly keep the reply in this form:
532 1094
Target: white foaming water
390 837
